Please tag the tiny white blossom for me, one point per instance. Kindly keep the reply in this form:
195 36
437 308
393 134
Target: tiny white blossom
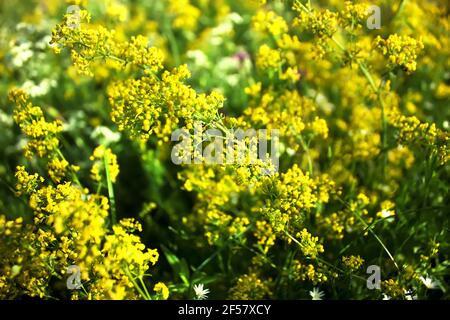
105 135
200 292
429 282
316 294
38 89
409 295
235 18
21 53
386 213
198 58
386 297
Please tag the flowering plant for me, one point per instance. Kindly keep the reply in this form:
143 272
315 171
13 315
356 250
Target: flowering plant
224 149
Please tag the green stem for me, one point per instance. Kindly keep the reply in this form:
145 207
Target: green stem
377 90
173 43
145 288
323 261
73 173
399 10
111 196
130 276
371 232
306 148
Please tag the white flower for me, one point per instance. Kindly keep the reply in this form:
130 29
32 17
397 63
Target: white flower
220 31
386 213
21 53
5 119
105 135
199 58
429 282
235 18
43 43
40 89
386 297
232 79
409 295
316 294
227 64
200 292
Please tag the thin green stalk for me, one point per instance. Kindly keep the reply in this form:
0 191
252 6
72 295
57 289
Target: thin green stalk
145 288
84 290
173 43
305 146
323 261
399 10
130 276
111 196
372 233
377 90
73 173
99 187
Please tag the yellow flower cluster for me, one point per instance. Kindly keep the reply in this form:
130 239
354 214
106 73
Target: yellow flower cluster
290 196
58 169
104 159
26 183
400 159
150 105
322 24
76 223
315 274
387 209
353 262
354 218
288 112
268 58
309 245
250 287
185 15
69 227
353 15
393 288
41 135
333 225
269 21
161 289
89 44
365 136
401 51
264 234
220 226
413 131
125 262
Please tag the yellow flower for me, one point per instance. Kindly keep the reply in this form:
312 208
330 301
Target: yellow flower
386 209
321 23
250 287
353 262
161 288
42 135
268 58
269 21
185 14
104 157
26 183
401 51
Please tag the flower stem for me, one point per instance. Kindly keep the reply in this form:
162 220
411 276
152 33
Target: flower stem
111 196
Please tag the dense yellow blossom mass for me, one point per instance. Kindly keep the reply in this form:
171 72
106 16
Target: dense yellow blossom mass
354 171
